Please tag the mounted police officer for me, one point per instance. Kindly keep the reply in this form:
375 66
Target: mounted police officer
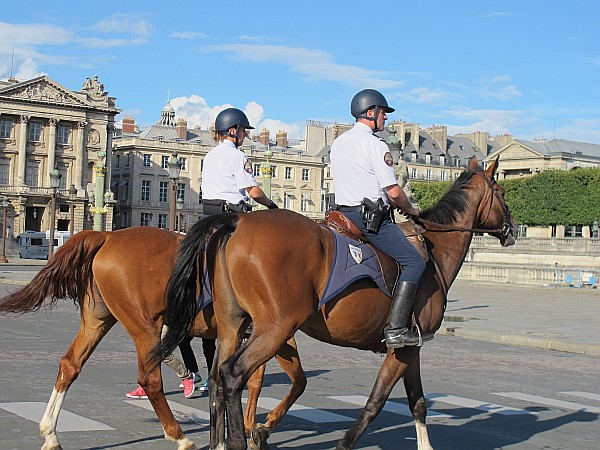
227 178
365 190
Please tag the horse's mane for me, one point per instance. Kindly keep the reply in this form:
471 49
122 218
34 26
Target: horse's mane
453 202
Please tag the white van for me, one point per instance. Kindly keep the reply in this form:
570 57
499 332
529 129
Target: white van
34 244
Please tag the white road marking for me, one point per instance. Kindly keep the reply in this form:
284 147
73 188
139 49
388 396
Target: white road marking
587 395
549 402
396 408
314 415
476 404
67 421
183 413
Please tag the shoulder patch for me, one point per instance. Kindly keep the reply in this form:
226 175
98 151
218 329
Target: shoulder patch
388 159
248 166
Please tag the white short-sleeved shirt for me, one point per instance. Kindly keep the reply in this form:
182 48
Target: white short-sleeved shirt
361 166
226 173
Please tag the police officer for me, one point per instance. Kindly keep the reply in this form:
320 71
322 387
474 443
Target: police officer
227 178
365 190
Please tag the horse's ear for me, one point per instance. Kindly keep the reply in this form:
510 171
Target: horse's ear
491 170
473 164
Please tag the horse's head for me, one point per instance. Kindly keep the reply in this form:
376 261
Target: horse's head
493 212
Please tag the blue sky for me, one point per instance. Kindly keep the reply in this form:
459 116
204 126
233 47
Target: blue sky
530 68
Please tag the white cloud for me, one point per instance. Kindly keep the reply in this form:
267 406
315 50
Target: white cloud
27 69
27 34
492 121
188 35
312 64
124 23
424 95
198 113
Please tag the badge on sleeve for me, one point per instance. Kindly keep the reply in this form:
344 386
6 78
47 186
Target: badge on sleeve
388 159
248 166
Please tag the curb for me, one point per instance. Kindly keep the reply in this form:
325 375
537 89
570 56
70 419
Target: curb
546 344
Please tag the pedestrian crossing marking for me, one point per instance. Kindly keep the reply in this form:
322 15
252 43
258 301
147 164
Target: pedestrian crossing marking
392 407
549 402
303 412
183 413
67 421
587 395
476 404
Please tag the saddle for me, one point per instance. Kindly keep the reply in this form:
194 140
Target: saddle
390 269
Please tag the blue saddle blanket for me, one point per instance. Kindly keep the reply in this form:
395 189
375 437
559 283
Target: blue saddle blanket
352 261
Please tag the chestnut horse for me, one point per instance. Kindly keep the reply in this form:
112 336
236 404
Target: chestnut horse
273 266
122 276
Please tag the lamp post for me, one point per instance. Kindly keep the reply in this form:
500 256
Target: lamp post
5 202
394 144
72 197
595 229
267 172
55 177
174 170
179 212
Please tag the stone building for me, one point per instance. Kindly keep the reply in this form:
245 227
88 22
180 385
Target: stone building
44 125
140 176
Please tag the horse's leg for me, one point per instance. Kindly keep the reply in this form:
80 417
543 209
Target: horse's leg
289 360
254 388
95 323
391 370
151 381
416 402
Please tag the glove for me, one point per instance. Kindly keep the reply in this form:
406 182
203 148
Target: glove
273 205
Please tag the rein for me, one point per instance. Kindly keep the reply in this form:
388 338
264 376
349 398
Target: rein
505 230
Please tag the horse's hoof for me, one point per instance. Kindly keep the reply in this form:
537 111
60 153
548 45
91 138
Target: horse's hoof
258 438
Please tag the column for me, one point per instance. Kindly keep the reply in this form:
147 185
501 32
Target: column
110 128
22 162
79 156
51 148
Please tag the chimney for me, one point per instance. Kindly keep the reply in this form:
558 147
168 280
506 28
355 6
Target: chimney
128 125
264 137
181 129
281 138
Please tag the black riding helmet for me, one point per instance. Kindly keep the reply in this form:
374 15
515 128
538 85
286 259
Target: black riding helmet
367 99
231 117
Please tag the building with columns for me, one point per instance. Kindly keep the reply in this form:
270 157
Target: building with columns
44 125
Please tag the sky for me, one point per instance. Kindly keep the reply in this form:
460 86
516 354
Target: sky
526 67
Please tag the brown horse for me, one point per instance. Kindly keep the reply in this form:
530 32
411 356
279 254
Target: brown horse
273 266
122 276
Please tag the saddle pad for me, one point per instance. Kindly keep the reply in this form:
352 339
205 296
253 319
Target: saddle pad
352 261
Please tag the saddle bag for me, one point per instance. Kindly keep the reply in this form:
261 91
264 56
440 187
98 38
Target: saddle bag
373 214
212 207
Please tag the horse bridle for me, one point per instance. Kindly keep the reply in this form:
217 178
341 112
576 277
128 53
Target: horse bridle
506 226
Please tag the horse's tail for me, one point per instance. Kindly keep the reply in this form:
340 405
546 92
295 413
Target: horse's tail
186 280
68 274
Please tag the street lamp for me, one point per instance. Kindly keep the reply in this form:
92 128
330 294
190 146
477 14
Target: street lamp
72 197
179 209
4 202
55 177
174 170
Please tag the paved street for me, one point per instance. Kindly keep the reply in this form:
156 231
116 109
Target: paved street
482 394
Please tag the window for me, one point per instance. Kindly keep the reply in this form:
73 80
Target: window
273 171
4 171
305 202
117 161
442 160
429 174
427 158
288 200
183 162
127 160
162 221
304 174
181 191
413 172
147 160
6 128
35 131
413 156
288 173
256 170
145 219
163 192
443 175
33 170
64 131
164 164
456 160
145 191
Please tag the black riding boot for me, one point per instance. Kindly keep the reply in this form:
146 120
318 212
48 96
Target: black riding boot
396 333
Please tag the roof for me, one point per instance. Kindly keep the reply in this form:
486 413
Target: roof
558 146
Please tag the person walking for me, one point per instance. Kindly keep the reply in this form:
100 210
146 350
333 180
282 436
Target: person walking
366 190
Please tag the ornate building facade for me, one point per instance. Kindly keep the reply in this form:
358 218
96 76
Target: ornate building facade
43 126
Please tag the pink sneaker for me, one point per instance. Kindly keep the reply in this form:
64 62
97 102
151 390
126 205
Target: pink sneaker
139 393
188 387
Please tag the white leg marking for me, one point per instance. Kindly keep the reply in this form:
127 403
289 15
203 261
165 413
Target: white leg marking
49 420
422 437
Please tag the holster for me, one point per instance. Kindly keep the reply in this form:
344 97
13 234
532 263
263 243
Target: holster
373 214
212 207
238 207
